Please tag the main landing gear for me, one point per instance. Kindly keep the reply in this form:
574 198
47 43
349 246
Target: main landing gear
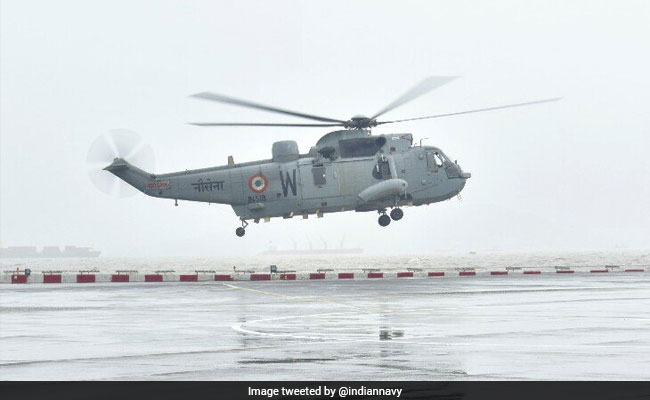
395 214
384 220
241 231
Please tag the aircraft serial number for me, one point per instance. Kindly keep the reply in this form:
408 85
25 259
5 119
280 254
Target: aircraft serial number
256 198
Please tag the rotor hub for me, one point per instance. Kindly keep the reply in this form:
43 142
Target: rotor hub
360 122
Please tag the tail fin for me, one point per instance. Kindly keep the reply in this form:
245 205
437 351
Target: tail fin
130 174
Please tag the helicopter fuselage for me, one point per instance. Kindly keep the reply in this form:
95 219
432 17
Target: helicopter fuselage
347 170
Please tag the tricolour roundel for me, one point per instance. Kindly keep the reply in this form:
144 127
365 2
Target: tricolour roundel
258 183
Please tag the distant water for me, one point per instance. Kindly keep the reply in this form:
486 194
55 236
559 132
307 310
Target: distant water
442 261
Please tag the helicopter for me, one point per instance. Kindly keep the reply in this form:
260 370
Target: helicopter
349 169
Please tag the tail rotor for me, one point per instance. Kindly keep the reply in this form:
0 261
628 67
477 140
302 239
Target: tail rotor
117 143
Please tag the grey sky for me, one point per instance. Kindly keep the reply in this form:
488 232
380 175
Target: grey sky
567 175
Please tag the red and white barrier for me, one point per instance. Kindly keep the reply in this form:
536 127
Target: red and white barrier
89 277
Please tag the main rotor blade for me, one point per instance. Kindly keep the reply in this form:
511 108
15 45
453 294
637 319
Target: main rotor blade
528 103
257 124
416 91
249 104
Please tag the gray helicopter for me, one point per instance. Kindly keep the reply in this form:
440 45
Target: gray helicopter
347 170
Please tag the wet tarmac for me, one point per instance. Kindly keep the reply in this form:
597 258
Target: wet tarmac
515 327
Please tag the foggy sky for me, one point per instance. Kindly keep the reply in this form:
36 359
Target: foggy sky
567 175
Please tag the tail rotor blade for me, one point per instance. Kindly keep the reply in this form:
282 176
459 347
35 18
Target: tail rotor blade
103 181
100 151
143 158
124 141
117 143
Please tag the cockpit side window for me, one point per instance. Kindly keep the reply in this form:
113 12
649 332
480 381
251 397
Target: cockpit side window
438 159
434 161
431 162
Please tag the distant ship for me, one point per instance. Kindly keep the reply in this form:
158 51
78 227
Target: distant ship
48 252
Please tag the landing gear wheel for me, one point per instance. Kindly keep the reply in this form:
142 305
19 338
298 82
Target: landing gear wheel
240 232
396 214
384 220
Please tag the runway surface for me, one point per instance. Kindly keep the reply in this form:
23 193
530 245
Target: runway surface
515 327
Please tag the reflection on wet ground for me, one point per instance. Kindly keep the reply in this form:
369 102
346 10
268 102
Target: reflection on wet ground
546 327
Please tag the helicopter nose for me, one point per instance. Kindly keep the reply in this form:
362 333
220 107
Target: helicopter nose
464 176
460 185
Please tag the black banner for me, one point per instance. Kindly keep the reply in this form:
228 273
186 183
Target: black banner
326 390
